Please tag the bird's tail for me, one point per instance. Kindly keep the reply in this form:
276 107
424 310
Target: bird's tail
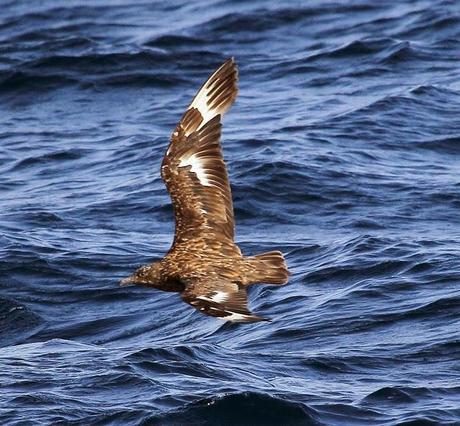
269 268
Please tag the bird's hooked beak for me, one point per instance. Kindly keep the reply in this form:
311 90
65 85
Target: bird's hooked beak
127 281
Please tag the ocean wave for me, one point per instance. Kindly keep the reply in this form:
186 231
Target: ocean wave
17 322
243 408
116 68
342 150
58 157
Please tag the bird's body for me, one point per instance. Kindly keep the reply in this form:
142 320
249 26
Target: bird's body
204 264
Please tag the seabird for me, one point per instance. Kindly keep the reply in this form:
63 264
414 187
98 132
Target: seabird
204 265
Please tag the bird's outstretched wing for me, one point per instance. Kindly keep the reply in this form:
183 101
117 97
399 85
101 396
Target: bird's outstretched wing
193 168
219 298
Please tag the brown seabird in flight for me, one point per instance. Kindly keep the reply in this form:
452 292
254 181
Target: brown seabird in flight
204 264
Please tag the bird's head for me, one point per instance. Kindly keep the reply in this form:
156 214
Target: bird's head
147 275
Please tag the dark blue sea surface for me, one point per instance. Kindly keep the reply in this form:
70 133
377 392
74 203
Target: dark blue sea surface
343 151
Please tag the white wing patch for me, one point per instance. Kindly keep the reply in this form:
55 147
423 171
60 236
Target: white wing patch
197 168
201 104
218 297
236 317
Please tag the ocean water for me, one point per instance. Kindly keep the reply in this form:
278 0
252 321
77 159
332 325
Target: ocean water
343 151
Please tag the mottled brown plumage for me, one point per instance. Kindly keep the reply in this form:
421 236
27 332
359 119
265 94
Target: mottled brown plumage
204 264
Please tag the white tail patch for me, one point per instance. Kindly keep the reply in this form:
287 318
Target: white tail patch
197 168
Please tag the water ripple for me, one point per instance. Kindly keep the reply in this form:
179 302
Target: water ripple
343 151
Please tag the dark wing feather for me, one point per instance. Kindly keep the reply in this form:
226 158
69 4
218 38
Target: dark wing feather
193 168
216 297
217 95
